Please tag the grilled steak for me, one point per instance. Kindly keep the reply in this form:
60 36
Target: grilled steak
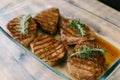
48 48
70 36
89 68
48 19
14 28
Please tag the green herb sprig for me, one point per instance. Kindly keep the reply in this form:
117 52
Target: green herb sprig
75 23
86 52
24 24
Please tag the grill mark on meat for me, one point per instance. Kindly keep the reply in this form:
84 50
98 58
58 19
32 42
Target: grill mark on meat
80 73
70 36
41 50
43 41
59 51
66 26
70 39
48 19
82 65
41 37
14 32
48 48
52 49
36 48
89 62
13 27
89 68
14 23
69 31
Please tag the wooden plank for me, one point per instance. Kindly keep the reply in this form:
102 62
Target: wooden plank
17 64
99 9
24 64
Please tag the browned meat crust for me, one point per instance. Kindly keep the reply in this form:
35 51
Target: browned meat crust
48 48
48 19
13 27
86 69
70 36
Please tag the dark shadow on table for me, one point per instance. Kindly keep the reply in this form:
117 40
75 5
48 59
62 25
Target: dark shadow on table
113 3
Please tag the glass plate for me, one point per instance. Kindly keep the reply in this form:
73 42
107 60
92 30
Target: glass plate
113 73
18 63
103 28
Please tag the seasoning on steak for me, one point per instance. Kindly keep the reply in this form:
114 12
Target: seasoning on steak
48 49
14 28
86 67
70 36
48 19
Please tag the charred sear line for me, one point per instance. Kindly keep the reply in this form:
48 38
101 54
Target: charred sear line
48 48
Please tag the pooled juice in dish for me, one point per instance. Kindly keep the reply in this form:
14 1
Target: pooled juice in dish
111 54
58 35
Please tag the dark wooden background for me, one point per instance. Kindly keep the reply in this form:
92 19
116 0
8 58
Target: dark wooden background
113 3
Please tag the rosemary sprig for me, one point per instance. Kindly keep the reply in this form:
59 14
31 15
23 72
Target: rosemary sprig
86 51
77 25
24 24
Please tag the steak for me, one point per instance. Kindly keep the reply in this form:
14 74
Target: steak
70 36
14 25
48 19
48 49
86 69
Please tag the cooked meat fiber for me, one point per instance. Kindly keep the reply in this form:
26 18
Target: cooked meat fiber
14 25
48 19
86 69
48 48
70 36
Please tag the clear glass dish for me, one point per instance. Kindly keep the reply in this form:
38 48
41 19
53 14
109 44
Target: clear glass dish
17 62
113 72
103 28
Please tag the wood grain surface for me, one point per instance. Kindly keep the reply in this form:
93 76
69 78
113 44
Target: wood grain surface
17 64
98 9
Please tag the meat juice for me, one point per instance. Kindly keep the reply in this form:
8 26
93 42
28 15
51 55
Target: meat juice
111 55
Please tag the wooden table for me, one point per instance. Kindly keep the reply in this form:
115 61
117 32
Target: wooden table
17 63
98 9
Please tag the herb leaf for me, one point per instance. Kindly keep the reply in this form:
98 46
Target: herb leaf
87 51
77 25
24 24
